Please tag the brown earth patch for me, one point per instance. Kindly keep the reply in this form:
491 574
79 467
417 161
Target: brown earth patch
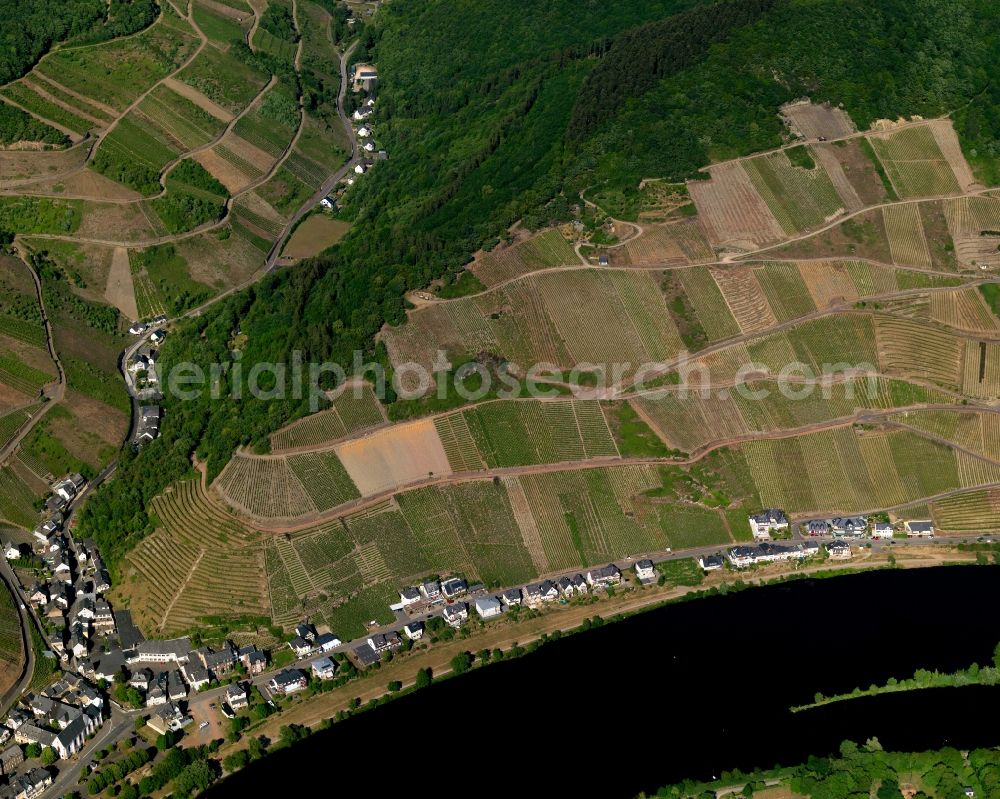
119 222
85 183
254 156
228 175
28 355
11 398
199 99
857 167
18 166
120 290
106 423
862 236
314 235
394 456
227 11
813 121
222 263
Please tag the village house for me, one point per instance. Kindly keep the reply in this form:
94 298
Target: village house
177 650
919 529
604 576
455 615
287 682
327 642
838 550
253 660
882 530
168 719
565 585
323 668
767 522
645 570
10 759
488 607
511 597
409 596
197 676
300 646
743 556
27 786
414 630
849 526
818 527
431 590
237 696
453 587
710 563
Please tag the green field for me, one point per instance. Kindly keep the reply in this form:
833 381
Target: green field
520 433
223 79
36 104
799 198
117 72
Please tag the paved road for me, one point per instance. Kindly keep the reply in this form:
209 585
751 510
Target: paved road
8 699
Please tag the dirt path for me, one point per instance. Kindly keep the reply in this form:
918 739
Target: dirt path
305 521
202 42
180 591
330 182
54 392
203 102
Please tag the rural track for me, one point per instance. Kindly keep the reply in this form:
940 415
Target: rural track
10 696
60 384
202 43
332 180
967 277
284 525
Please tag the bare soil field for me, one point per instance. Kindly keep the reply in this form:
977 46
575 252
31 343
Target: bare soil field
86 184
222 263
394 456
226 173
17 166
815 121
11 398
314 235
947 141
199 99
828 282
745 298
838 177
120 290
857 167
116 223
862 236
106 423
733 213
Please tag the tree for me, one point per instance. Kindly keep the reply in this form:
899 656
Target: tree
48 756
395 686
236 761
256 748
461 663
32 750
424 678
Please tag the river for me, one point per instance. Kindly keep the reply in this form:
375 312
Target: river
686 690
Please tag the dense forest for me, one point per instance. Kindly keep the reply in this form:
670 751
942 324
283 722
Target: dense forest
16 126
31 27
476 103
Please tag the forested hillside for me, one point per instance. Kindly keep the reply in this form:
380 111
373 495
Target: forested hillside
31 27
477 105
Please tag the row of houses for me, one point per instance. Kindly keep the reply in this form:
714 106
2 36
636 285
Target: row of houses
744 556
27 786
61 717
771 521
308 641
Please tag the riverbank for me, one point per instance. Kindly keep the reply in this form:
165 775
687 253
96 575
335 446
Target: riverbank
714 677
921 680
506 635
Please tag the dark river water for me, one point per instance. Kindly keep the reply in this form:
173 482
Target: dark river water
687 690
